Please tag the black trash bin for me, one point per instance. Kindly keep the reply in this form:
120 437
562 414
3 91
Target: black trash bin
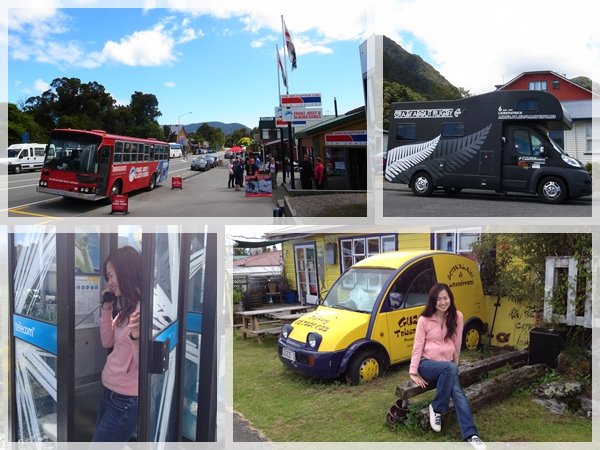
545 345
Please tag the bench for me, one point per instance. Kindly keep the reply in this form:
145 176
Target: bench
260 333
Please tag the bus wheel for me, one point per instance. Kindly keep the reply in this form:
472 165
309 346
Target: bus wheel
152 184
115 189
17 169
552 190
471 336
422 186
365 366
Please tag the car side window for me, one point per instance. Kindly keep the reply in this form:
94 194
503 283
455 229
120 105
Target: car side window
412 286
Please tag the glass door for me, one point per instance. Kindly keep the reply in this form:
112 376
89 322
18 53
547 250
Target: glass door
305 256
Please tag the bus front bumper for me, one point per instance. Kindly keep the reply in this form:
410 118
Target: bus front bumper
70 194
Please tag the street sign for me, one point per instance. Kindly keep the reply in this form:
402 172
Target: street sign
348 138
177 183
120 203
301 100
295 123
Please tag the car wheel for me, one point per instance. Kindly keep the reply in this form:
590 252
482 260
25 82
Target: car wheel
17 169
365 366
422 186
552 190
471 336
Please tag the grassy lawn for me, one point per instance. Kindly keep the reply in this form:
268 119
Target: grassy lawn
289 407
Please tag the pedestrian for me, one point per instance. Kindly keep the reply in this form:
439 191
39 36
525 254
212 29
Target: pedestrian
230 166
319 174
287 166
250 166
271 168
238 171
306 173
120 330
435 356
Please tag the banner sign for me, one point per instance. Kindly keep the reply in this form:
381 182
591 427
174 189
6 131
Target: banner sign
120 203
177 183
346 138
301 100
40 334
295 123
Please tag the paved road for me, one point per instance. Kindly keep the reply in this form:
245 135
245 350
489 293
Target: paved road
399 201
204 194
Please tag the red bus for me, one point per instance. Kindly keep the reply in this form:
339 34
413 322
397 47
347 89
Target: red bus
93 165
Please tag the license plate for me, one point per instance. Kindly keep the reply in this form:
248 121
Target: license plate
288 354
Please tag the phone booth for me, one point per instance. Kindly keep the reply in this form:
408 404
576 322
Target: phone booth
55 285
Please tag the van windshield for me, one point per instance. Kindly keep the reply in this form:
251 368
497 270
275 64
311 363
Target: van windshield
14 152
357 289
556 146
72 154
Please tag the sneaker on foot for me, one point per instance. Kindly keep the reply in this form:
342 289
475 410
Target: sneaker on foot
435 420
476 442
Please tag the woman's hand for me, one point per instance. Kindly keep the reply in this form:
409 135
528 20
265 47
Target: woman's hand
134 325
418 379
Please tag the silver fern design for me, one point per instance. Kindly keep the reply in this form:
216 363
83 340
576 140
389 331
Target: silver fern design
404 157
455 152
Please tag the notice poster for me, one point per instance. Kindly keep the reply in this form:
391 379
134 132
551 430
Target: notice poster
87 300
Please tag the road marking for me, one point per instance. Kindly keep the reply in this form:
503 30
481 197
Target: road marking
18 187
17 211
29 204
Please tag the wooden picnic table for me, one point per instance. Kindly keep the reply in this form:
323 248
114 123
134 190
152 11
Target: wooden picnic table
253 322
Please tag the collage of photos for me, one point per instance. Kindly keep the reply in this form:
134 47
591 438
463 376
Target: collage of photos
237 226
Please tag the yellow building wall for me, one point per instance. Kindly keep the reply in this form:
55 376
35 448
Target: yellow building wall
513 323
414 241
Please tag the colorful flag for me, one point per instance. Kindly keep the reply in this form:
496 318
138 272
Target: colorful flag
290 46
281 69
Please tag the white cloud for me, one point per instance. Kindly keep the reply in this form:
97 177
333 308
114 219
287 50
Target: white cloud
142 48
170 84
477 45
40 86
259 43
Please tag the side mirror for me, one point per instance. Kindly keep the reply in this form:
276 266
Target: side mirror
543 151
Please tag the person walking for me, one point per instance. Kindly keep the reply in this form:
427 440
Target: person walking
319 174
230 167
238 171
120 330
435 356
271 168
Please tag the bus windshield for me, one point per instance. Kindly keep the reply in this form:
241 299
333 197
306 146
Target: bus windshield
357 289
73 154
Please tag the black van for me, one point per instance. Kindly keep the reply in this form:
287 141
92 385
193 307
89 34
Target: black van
497 141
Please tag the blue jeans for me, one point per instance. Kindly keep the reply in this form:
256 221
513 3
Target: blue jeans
117 417
445 375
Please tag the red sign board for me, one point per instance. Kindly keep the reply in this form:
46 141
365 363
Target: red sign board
120 203
176 182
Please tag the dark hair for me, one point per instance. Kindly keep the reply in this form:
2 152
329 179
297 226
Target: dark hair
127 262
450 314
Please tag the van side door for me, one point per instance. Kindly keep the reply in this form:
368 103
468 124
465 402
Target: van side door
521 157
404 302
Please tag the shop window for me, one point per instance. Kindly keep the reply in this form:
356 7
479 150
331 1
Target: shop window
356 249
457 240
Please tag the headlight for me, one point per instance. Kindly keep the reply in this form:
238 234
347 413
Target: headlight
571 161
313 340
286 330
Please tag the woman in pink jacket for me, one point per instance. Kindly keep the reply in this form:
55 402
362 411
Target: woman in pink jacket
436 351
119 329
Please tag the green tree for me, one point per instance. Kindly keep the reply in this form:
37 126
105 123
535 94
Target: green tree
144 111
20 122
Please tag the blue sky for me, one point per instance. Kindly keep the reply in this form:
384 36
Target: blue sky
218 62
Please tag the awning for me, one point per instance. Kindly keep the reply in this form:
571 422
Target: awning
261 242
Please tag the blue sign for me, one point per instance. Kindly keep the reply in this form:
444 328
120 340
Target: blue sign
40 334
25 137
194 322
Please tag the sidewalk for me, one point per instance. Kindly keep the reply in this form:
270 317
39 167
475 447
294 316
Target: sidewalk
244 432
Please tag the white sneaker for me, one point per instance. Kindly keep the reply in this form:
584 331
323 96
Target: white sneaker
476 442
435 420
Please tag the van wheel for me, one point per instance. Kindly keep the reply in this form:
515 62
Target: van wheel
152 184
17 169
422 185
471 336
452 190
552 190
365 366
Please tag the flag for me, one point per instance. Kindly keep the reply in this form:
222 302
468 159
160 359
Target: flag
290 46
283 75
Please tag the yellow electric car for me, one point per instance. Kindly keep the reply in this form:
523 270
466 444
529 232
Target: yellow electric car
368 319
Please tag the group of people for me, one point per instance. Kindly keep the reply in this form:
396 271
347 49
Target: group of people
308 173
238 168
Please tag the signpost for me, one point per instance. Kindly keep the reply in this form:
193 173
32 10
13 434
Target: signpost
176 183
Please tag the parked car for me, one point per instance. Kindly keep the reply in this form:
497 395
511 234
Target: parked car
213 160
201 163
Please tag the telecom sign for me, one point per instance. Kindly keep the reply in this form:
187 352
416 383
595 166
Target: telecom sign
40 334
358 137
301 100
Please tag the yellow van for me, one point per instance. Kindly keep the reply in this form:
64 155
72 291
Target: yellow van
368 319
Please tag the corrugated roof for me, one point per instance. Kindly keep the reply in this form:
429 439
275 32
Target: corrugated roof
272 258
330 123
579 109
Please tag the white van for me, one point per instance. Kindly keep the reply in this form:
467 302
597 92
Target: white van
176 150
20 157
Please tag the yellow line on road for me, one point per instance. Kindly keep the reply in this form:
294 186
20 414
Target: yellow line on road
17 211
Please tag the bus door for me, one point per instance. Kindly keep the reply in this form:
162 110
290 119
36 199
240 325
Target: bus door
404 302
522 155
103 169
